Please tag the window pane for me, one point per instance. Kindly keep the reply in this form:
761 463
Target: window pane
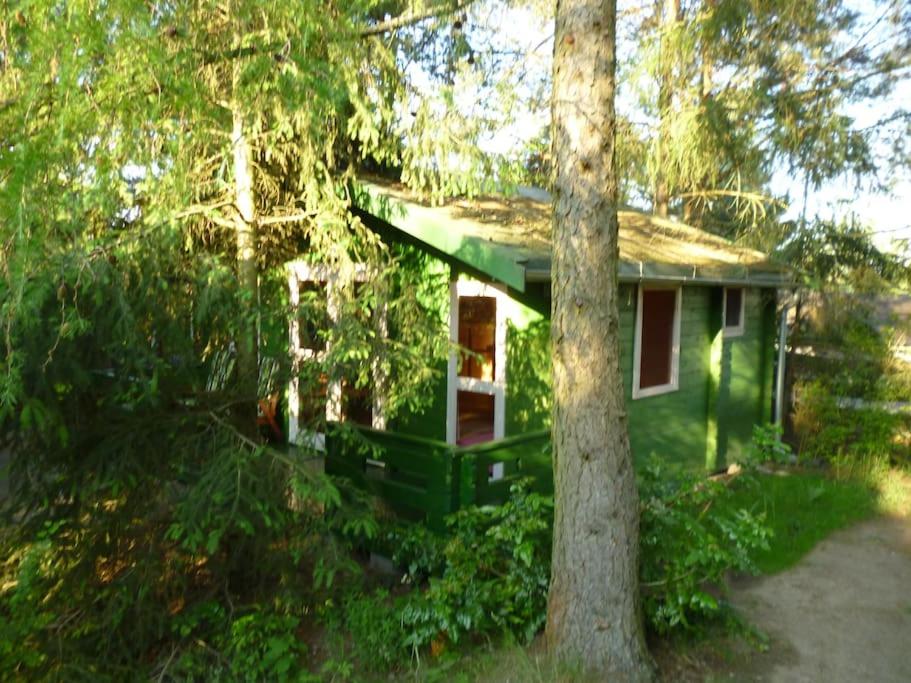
314 315
313 391
357 404
733 307
474 417
658 309
477 332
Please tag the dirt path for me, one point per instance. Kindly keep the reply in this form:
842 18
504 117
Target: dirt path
842 614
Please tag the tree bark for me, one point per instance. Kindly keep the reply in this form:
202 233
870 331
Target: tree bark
670 16
593 611
247 276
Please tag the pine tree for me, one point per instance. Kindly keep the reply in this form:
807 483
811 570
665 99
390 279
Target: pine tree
593 613
740 89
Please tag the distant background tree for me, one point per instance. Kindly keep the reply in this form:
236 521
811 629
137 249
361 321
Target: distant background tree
719 100
733 92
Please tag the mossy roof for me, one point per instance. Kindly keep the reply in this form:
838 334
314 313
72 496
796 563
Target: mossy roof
509 239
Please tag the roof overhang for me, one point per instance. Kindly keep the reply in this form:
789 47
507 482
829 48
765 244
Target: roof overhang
641 271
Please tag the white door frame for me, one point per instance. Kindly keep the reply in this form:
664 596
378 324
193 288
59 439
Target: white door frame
455 383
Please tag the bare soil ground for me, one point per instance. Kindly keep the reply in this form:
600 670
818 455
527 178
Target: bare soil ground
842 614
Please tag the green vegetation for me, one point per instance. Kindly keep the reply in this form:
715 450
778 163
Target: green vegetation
501 662
149 531
487 579
802 508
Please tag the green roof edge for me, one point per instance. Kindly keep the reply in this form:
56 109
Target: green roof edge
492 259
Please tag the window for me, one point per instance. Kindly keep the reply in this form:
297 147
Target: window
313 321
313 400
315 293
477 335
477 372
357 404
733 311
657 346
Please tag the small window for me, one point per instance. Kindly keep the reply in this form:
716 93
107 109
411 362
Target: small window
733 311
477 335
312 409
657 342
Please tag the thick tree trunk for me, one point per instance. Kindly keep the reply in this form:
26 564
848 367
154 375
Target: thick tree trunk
670 16
247 275
593 612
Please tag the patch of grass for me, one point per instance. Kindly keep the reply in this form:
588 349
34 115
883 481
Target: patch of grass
891 484
803 508
503 663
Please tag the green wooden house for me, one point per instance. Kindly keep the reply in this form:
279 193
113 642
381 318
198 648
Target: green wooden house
698 329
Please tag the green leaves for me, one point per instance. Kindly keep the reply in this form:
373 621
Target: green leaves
692 533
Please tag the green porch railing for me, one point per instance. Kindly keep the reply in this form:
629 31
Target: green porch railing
489 469
425 480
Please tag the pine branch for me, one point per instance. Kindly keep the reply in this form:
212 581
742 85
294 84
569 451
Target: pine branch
290 218
411 18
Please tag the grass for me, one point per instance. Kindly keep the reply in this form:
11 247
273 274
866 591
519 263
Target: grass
501 663
803 508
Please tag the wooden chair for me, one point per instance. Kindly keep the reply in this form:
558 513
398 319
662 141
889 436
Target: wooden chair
267 391
268 395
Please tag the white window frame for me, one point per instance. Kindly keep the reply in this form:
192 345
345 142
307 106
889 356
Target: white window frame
456 383
733 330
674 384
334 279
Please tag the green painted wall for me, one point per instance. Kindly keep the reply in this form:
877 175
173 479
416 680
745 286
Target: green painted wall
673 425
430 423
746 377
528 388
707 422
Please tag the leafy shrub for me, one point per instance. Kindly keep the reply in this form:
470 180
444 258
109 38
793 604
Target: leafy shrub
263 646
691 534
373 624
416 549
496 575
259 645
98 591
829 431
22 616
767 445
489 577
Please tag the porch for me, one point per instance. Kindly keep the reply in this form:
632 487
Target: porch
425 480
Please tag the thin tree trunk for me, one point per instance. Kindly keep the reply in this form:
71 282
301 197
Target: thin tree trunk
693 208
670 16
247 275
593 611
